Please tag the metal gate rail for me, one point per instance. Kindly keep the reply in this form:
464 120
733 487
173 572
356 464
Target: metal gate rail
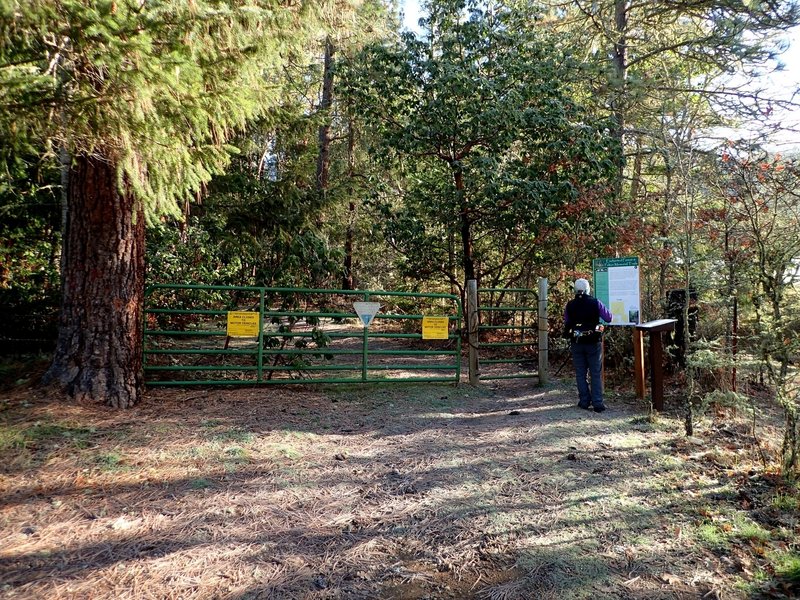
515 319
301 332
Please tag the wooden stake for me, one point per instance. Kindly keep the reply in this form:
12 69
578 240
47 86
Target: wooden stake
543 330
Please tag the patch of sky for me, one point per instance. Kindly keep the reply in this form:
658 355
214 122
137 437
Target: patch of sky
412 13
773 91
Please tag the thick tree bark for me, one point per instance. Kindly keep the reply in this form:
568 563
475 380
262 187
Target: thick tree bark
98 356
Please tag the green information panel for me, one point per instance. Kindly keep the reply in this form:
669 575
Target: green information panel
616 284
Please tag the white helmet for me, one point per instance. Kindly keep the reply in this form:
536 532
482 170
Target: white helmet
582 286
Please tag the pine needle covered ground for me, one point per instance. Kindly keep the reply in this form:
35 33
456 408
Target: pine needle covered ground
399 492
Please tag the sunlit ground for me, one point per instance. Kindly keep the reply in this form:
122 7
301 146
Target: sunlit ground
425 491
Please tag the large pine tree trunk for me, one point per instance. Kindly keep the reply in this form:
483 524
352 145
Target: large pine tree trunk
98 356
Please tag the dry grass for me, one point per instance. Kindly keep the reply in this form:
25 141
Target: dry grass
397 492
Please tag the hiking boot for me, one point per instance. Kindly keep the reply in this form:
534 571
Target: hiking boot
584 406
599 409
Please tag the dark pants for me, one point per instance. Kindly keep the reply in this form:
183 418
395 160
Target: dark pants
587 360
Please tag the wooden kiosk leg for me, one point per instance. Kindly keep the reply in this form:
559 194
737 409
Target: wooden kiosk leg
657 370
654 330
638 362
602 364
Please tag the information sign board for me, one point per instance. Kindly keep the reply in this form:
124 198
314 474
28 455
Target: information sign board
616 284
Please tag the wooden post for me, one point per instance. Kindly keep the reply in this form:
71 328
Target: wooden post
655 330
544 366
472 330
603 362
657 370
638 360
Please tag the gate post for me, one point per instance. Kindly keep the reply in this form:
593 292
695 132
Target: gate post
472 330
261 305
543 330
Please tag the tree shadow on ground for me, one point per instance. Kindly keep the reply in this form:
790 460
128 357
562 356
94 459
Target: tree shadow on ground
366 493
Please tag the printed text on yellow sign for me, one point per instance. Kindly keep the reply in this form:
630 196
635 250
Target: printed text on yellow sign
242 324
434 328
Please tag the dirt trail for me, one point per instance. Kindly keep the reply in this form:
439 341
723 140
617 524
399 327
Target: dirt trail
508 491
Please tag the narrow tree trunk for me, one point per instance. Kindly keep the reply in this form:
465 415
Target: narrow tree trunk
734 342
664 231
349 242
323 158
791 441
636 175
350 234
732 325
619 84
620 49
183 226
98 356
466 230
451 260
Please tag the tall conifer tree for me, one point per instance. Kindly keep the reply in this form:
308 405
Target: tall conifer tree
141 96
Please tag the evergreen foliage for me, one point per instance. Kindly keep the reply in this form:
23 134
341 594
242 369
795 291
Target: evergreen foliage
140 99
492 143
157 88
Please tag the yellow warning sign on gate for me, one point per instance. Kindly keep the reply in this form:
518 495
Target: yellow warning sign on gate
435 328
242 323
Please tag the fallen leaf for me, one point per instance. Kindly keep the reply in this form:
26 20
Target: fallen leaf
123 524
671 579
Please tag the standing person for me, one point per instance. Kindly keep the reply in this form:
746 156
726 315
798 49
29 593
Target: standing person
582 326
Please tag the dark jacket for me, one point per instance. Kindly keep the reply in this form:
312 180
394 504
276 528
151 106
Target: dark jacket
583 313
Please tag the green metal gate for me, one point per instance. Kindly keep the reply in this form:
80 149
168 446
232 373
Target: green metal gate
508 332
300 336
